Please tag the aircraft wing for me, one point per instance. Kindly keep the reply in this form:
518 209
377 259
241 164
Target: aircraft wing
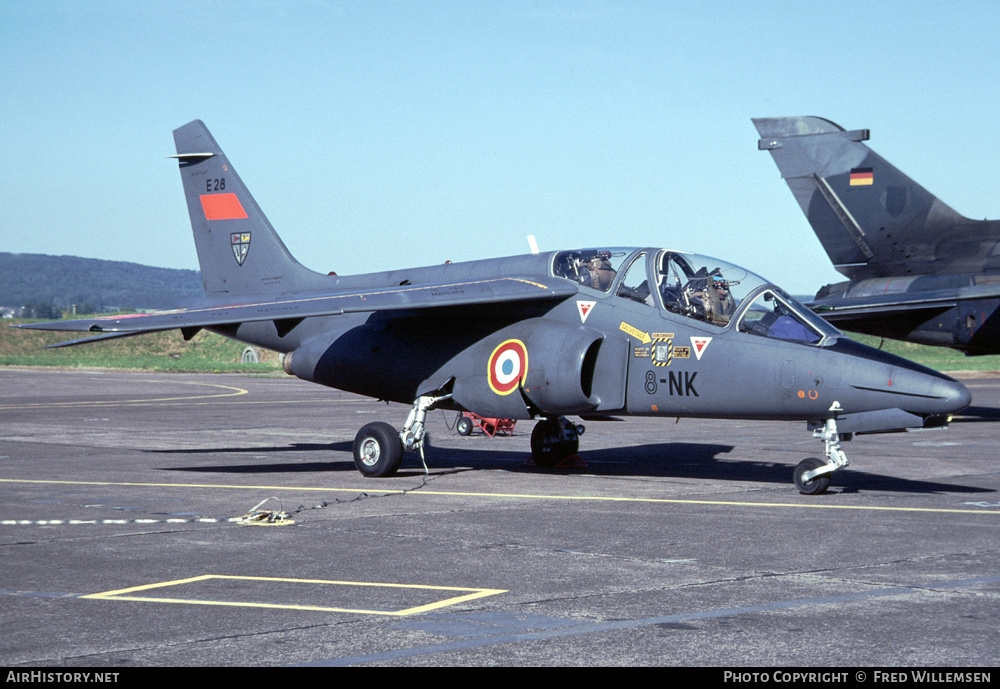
835 310
289 311
855 307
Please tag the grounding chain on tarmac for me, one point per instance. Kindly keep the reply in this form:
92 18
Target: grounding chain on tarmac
255 516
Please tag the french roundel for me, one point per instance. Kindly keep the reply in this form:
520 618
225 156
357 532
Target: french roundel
508 366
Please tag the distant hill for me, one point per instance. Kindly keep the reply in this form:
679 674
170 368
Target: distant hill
92 284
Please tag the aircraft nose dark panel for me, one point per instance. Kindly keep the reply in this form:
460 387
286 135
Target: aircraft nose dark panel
954 396
925 394
903 383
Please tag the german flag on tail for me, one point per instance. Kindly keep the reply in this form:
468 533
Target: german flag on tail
862 177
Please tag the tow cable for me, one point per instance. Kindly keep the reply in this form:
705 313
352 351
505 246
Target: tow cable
259 517
255 517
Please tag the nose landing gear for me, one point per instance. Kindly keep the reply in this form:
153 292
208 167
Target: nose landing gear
816 483
812 475
554 440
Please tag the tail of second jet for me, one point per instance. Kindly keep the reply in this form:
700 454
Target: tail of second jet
238 250
872 220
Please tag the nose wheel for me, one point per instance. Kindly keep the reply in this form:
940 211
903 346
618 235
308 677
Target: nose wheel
814 485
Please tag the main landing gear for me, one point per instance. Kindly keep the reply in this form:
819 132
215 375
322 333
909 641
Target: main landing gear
812 475
378 448
378 451
554 440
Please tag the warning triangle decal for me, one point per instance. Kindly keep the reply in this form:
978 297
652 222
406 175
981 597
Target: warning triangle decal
699 345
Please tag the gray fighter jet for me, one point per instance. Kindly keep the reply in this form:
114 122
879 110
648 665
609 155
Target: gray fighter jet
589 332
917 270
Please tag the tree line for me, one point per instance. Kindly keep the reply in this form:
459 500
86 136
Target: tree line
42 286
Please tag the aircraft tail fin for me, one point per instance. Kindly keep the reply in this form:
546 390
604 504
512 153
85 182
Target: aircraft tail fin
859 205
238 249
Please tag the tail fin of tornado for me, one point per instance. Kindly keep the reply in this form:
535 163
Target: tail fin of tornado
238 250
871 218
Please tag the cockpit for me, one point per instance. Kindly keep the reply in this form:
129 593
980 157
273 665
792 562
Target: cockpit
595 268
694 286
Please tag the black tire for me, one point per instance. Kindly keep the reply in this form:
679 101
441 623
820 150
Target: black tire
464 426
378 451
546 448
816 485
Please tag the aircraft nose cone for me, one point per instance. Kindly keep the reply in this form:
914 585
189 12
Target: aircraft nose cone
924 391
886 379
954 396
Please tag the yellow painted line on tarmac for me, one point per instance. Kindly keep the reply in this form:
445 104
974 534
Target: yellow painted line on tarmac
177 401
200 485
186 399
231 392
519 496
471 594
729 503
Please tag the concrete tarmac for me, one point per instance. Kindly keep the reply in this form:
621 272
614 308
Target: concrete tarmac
679 543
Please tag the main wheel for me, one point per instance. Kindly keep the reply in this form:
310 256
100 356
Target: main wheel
378 451
548 444
815 485
464 425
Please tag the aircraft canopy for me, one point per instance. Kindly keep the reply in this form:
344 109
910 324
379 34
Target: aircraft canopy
694 286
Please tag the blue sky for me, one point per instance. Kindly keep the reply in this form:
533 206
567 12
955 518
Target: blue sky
380 135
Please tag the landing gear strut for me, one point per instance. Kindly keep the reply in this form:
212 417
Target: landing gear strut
554 440
812 476
378 448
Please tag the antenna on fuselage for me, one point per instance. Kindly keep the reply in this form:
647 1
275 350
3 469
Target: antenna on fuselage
532 244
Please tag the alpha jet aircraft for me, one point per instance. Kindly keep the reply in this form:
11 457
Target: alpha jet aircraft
917 270
590 332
